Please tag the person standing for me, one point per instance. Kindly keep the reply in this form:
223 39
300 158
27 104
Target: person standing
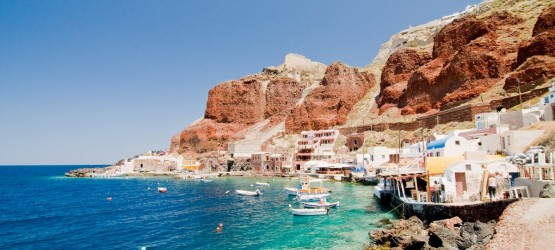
437 189
492 186
500 185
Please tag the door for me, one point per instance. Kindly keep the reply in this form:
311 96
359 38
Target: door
460 182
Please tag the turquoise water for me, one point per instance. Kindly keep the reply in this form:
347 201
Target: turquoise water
41 209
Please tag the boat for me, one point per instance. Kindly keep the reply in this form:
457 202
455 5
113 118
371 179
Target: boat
206 180
312 197
291 191
308 186
309 211
323 203
262 183
248 193
162 190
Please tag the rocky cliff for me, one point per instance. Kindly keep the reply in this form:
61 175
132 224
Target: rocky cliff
489 51
299 93
498 43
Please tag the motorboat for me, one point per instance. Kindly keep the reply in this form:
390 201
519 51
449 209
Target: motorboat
248 193
291 191
308 186
206 180
162 190
312 186
262 183
309 211
323 203
312 197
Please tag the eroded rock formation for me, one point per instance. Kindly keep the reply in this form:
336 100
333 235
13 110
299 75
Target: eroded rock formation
328 105
470 56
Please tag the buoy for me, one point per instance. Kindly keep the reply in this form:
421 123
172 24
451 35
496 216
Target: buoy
218 229
221 225
109 198
227 192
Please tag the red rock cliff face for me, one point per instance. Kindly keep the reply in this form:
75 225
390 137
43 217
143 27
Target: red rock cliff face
469 58
233 106
396 73
536 56
236 102
281 96
329 104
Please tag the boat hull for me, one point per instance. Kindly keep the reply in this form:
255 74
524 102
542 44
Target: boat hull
247 193
309 212
320 205
312 197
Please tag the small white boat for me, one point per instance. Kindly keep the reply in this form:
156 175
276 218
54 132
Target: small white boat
206 180
312 197
162 190
291 191
248 193
262 183
309 211
320 204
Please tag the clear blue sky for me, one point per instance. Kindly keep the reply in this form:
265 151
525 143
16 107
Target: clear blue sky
86 82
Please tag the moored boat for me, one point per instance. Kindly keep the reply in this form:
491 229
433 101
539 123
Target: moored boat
323 203
308 186
248 193
309 211
162 190
291 191
312 197
262 183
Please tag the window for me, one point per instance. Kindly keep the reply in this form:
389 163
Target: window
355 142
457 142
508 140
437 154
371 157
383 157
468 167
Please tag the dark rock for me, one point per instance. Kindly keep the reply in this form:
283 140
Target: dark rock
443 237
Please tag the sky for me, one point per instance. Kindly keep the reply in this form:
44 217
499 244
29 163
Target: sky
92 82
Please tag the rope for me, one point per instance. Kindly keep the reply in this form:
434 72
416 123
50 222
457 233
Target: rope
396 207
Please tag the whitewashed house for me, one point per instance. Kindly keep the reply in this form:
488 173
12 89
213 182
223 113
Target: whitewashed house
463 179
379 155
454 145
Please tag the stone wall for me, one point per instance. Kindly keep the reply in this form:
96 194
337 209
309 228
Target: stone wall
458 114
427 212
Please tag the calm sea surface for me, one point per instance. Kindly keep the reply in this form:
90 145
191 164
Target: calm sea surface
41 209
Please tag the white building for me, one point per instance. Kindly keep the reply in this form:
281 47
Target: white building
463 179
451 146
379 155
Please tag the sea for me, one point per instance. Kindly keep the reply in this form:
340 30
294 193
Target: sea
42 209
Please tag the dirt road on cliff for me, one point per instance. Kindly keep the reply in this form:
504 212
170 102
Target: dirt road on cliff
526 224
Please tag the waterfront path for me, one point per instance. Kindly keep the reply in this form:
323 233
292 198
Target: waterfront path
526 224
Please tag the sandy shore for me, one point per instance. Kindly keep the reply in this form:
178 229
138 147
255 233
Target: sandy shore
526 224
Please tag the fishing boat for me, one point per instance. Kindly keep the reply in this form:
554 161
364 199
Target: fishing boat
162 190
262 183
291 191
323 203
308 186
248 193
309 211
312 197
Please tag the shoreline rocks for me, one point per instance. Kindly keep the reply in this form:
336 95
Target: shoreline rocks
445 234
84 172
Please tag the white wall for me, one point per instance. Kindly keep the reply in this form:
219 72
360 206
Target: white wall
379 155
518 141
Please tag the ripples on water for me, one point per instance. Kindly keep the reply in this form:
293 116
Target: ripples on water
42 210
